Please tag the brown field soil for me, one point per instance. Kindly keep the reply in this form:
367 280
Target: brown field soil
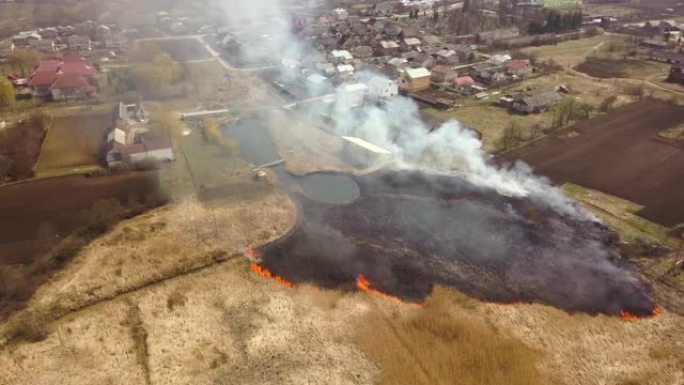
182 49
55 207
620 154
73 141
605 68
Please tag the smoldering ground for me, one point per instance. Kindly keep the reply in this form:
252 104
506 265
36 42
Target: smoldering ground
410 230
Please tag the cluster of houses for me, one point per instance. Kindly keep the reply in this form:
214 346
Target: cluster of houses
667 46
80 39
129 139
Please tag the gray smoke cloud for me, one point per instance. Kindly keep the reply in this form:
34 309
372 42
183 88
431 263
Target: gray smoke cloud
394 124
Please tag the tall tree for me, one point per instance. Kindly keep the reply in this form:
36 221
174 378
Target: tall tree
24 61
7 94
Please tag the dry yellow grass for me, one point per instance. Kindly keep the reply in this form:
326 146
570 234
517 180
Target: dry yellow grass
157 245
456 337
225 325
443 343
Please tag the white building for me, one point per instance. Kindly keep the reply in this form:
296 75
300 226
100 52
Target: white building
382 88
341 56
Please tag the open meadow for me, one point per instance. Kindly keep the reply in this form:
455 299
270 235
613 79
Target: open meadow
74 141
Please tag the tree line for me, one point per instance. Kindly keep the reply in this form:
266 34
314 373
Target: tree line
556 22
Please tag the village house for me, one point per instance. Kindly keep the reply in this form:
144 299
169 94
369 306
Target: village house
518 68
410 43
447 56
387 47
340 57
462 82
23 39
79 43
415 79
129 140
442 73
488 73
499 59
465 53
536 103
395 66
677 73
72 77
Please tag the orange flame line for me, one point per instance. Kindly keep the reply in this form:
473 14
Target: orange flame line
264 272
629 317
363 284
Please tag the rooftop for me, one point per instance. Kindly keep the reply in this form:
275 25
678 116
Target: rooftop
415 73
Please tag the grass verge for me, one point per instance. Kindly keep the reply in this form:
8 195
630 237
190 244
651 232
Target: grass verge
442 344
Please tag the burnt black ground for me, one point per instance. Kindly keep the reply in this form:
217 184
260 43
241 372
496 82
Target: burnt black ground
410 231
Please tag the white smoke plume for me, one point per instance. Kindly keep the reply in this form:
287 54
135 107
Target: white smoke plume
395 124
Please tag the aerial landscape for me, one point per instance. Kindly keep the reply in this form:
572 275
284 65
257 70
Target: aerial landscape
342 192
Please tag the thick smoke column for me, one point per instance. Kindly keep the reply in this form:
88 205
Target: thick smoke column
395 124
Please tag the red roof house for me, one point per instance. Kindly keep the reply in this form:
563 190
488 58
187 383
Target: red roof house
520 67
69 78
464 81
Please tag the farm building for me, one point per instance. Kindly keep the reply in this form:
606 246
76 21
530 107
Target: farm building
130 141
536 103
415 79
677 73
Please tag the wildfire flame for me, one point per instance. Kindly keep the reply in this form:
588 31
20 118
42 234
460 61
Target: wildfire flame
363 284
264 272
629 317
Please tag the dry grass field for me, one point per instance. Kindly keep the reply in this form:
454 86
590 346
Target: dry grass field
181 49
165 298
73 141
572 52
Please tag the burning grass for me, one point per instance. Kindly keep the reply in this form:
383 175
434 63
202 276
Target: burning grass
410 231
441 343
